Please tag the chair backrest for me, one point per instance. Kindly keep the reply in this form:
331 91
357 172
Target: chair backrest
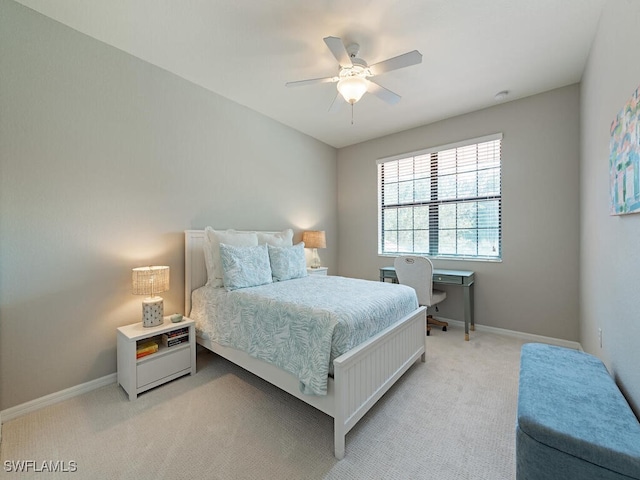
416 272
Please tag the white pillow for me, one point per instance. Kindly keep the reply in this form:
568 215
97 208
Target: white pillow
280 239
212 240
244 267
287 262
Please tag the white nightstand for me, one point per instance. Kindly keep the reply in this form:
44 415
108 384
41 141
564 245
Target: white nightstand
169 362
317 271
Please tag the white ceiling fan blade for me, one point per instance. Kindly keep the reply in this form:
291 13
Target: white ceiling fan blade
336 105
311 81
401 61
383 93
337 48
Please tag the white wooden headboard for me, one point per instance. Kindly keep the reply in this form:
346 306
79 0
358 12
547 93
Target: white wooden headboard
195 270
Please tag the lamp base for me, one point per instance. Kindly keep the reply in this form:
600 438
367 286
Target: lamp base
315 259
152 311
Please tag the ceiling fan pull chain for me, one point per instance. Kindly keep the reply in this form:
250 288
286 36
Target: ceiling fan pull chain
352 114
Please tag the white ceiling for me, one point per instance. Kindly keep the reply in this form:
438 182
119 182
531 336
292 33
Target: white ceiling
246 50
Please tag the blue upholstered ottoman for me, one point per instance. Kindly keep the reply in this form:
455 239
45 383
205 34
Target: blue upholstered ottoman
573 422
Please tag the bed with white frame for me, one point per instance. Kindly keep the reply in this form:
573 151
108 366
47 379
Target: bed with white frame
361 375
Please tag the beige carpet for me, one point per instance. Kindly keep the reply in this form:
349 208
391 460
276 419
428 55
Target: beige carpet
450 418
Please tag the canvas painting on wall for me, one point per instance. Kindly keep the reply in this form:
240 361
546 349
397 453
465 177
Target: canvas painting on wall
624 158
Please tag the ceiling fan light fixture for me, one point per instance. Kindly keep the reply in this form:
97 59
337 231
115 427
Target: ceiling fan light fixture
352 88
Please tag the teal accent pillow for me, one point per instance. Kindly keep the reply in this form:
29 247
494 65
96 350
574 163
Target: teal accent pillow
244 267
287 262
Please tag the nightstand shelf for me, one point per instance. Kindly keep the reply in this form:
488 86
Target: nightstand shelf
137 375
162 350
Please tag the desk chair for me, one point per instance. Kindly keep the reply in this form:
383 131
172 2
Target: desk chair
417 272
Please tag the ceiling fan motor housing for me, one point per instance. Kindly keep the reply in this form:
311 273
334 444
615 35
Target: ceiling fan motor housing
355 71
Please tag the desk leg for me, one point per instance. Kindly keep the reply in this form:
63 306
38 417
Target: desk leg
468 310
472 309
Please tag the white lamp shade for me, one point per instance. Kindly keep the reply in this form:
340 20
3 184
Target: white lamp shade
150 280
352 88
314 239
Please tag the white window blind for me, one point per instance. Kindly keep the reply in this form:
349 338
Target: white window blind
443 202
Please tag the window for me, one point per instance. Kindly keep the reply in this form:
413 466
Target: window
442 202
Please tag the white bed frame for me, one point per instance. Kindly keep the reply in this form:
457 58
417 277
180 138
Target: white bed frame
361 376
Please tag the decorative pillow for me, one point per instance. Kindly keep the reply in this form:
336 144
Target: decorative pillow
212 240
287 262
244 266
280 239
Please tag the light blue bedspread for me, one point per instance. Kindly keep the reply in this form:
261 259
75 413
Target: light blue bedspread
301 325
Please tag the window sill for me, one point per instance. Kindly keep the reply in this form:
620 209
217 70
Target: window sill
456 259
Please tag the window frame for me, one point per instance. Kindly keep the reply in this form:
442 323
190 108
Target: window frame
434 202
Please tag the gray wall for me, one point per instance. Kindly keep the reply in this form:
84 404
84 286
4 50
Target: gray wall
105 160
610 253
535 288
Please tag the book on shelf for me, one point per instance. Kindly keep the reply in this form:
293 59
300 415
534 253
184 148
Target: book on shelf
173 341
146 348
177 333
146 345
146 351
144 354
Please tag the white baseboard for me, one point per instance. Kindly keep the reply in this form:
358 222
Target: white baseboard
53 398
38 403
512 333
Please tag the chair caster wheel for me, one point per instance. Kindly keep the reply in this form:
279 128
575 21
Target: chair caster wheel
444 329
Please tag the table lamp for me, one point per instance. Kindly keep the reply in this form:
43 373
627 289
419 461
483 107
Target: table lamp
149 281
315 239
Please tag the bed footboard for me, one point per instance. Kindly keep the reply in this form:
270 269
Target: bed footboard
365 373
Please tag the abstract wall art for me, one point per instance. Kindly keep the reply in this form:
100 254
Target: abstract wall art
624 158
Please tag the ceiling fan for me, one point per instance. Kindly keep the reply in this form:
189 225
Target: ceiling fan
354 75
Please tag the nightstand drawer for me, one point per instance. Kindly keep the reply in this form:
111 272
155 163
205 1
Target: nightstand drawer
168 364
